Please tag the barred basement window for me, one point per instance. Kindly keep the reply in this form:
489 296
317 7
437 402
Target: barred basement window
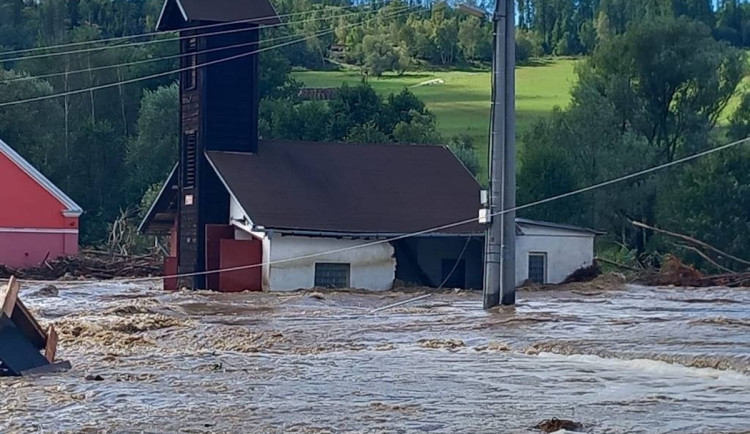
331 275
538 267
191 161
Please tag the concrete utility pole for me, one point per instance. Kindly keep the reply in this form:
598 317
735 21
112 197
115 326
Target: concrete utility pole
500 240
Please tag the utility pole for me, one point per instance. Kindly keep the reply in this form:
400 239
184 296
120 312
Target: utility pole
500 239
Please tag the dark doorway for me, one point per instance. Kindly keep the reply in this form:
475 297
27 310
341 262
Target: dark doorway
454 273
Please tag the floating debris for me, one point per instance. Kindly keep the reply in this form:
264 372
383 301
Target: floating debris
90 264
554 425
22 338
446 344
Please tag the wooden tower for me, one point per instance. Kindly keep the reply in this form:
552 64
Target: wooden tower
218 109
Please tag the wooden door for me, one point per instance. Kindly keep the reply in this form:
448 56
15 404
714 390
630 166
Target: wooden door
247 254
214 235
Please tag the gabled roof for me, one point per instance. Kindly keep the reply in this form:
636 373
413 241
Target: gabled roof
351 189
346 189
161 215
71 208
564 227
178 14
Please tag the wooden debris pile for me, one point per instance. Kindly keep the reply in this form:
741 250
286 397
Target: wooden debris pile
90 265
584 274
674 273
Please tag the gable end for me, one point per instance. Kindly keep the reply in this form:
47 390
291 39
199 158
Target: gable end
72 208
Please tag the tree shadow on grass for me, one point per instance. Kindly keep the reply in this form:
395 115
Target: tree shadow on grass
536 62
415 75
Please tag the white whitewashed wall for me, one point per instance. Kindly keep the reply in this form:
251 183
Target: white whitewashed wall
566 250
372 267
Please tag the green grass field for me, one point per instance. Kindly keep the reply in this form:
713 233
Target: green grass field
461 103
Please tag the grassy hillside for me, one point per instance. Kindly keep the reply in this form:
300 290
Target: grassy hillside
461 102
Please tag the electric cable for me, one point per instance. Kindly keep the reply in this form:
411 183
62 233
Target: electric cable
433 229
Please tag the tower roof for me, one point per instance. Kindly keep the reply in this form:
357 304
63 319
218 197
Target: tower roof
179 14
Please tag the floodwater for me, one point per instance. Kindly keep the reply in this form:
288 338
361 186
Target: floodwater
632 360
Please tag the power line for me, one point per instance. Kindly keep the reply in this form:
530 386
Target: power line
140 62
472 220
179 38
150 34
163 74
439 228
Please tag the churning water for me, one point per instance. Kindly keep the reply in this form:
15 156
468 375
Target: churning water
633 360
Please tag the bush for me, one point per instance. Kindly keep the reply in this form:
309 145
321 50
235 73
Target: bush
463 148
527 46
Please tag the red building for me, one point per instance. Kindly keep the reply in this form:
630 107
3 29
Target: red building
37 220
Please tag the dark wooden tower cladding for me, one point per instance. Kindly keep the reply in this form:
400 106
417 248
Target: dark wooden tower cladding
218 109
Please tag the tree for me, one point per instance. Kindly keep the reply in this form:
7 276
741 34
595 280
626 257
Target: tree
547 170
739 123
402 107
366 133
445 38
153 152
354 106
97 167
420 129
645 97
357 114
380 55
274 76
709 201
669 80
20 125
469 37
526 46
462 147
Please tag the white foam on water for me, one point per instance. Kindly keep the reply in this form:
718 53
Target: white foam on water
656 368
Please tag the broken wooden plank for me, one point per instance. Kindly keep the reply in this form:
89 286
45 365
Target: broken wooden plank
51 348
9 296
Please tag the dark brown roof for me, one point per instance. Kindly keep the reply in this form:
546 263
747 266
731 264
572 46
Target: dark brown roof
161 216
174 12
351 189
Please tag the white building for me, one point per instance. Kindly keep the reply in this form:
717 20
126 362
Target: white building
304 215
549 252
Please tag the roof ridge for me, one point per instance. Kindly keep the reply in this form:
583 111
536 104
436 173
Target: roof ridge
385 145
40 179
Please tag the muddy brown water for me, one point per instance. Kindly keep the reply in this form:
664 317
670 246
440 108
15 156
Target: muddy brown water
637 360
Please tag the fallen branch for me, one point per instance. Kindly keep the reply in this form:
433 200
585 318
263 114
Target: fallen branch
617 264
704 256
691 240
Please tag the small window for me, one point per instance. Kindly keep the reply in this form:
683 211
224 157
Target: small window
538 267
191 159
191 45
331 275
190 74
